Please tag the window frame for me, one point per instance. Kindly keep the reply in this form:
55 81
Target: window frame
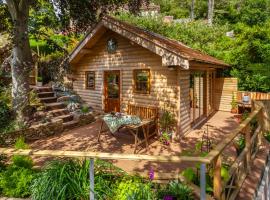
135 72
86 80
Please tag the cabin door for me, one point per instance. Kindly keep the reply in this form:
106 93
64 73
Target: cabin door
112 91
197 97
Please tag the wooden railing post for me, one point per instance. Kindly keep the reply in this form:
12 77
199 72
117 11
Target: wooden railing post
248 147
92 179
203 181
217 178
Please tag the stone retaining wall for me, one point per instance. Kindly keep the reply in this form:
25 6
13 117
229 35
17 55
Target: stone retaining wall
40 131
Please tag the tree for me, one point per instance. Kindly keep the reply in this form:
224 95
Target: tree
81 13
21 62
211 4
192 12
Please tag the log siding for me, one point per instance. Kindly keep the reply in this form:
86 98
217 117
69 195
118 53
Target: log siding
128 57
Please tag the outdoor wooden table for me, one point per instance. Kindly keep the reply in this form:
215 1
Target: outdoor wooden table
134 130
244 105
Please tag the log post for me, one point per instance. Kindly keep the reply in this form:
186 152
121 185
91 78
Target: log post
91 176
203 181
217 178
248 147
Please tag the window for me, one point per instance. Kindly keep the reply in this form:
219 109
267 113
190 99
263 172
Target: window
90 80
141 81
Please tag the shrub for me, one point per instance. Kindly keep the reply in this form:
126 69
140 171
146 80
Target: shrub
85 109
39 79
133 189
5 114
176 189
240 144
62 179
16 179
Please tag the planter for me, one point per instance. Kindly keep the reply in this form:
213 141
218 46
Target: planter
234 110
39 84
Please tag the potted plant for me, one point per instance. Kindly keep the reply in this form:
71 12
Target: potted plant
39 81
234 105
167 123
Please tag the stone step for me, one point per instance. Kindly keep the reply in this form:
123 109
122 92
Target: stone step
70 124
59 112
66 118
48 99
43 89
54 106
45 94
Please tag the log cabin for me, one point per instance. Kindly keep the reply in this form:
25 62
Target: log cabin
117 63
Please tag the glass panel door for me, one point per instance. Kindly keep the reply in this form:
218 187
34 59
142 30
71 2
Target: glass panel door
197 96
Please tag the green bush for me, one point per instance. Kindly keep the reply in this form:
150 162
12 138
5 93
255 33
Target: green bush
16 179
133 189
240 144
85 109
178 190
67 179
5 115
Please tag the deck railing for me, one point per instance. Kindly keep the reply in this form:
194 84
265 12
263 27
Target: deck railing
253 95
251 129
222 190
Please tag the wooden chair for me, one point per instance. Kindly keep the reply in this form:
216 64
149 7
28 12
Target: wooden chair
149 117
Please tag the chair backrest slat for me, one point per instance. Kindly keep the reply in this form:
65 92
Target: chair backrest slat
144 112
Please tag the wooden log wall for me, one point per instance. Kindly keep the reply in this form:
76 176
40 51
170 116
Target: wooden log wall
129 56
184 104
224 90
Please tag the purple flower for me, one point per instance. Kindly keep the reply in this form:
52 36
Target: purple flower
151 174
168 197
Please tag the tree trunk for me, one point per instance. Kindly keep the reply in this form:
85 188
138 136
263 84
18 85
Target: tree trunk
211 4
21 62
192 12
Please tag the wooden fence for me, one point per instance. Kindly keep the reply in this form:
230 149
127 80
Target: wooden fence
223 190
253 95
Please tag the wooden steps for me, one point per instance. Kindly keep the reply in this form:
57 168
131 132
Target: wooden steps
54 106
45 94
48 99
70 124
58 110
65 118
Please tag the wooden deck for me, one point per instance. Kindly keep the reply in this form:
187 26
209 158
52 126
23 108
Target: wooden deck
85 139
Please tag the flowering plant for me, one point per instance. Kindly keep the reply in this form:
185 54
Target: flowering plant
165 137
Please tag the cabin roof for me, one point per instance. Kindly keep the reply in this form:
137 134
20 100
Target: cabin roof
175 47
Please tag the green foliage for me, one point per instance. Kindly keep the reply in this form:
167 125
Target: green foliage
16 179
248 51
234 102
225 173
267 136
133 189
167 121
39 79
85 109
5 114
245 115
178 190
240 144
190 175
62 180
